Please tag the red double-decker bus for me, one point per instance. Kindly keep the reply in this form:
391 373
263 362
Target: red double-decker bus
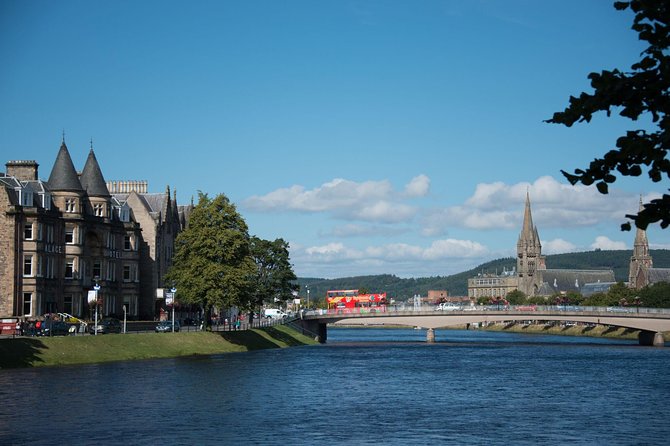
348 299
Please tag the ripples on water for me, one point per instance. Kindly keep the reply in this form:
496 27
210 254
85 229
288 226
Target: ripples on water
367 386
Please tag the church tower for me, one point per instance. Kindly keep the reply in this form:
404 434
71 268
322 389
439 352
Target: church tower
641 260
530 261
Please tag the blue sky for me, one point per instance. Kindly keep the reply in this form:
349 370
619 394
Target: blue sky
394 137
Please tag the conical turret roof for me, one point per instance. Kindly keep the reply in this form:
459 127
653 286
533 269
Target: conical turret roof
63 174
91 178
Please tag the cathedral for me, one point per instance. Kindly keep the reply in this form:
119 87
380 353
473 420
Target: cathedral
63 238
532 277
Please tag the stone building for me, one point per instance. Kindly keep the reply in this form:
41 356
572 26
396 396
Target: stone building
161 219
60 238
641 272
531 275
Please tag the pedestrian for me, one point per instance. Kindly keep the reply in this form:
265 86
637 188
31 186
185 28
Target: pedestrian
238 323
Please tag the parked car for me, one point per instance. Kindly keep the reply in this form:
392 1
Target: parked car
107 325
52 328
274 313
166 326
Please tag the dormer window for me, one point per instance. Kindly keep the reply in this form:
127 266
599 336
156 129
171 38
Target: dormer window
99 209
46 201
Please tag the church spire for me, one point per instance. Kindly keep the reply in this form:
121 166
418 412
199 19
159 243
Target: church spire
641 260
530 261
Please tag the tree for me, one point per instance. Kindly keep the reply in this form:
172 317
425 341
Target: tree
212 265
656 295
516 297
274 273
642 91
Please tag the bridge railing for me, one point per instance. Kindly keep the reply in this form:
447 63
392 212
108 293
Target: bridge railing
434 309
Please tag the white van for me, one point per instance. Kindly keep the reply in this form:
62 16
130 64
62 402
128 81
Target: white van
274 313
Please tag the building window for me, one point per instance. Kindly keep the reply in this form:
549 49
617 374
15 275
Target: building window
69 236
27 304
129 273
127 243
110 305
97 269
69 268
99 209
130 302
49 267
70 205
39 272
28 231
111 240
50 233
67 304
46 201
26 197
111 271
27 266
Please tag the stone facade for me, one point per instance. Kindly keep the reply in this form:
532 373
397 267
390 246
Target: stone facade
60 238
161 219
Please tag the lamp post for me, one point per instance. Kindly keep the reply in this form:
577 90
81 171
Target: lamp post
96 287
307 286
173 292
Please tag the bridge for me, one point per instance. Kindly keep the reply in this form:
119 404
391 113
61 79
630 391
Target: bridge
651 322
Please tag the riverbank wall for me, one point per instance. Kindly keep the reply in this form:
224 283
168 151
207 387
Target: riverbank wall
74 350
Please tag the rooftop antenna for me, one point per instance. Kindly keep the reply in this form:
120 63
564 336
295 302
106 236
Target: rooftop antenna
91 143
63 136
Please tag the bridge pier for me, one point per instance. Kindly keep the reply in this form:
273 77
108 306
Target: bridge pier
430 336
655 339
318 331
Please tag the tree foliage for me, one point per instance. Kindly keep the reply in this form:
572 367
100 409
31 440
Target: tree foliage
212 265
642 91
654 296
516 297
274 274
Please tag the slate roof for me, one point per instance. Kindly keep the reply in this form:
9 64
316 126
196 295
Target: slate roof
574 279
63 174
656 275
91 178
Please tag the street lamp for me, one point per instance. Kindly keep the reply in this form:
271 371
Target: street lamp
96 287
171 298
307 286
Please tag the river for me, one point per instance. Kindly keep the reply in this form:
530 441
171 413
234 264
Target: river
366 386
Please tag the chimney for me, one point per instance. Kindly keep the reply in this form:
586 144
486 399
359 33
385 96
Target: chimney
22 170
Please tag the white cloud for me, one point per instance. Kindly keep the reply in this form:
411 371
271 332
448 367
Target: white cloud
500 206
418 186
605 243
359 230
557 246
391 257
374 201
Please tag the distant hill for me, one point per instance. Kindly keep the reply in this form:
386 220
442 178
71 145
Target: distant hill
457 284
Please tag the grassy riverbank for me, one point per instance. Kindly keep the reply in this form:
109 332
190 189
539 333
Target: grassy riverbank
69 350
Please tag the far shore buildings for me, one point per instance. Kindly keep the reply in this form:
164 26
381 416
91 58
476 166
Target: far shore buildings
532 277
61 237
